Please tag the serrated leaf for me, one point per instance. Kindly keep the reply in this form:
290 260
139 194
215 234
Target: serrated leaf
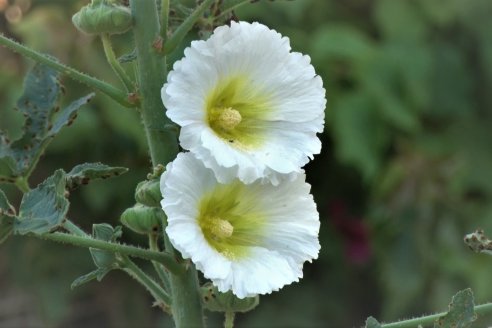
39 104
104 259
372 323
68 114
461 311
83 173
44 208
7 217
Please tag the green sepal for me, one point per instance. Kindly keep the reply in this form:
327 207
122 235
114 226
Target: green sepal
82 174
103 17
44 208
461 312
104 259
215 301
372 323
7 217
148 193
143 219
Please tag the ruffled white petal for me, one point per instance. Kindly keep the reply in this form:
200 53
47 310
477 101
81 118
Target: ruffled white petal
287 238
290 122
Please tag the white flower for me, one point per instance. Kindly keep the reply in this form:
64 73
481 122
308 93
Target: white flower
248 107
248 238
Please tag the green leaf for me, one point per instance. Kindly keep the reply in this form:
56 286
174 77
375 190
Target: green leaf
7 217
96 274
83 173
40 106
104 259
44 208
372 323
67 115
341 42
461 311
360 134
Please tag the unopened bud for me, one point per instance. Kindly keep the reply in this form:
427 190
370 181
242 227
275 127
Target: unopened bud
103 17
143 219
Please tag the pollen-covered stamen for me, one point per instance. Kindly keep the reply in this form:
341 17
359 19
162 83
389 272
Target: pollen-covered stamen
229 118
221 228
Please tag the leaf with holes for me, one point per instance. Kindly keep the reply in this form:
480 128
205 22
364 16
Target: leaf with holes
83 173
461 312
40 106
44 208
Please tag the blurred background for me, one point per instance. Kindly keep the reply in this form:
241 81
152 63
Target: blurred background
405 171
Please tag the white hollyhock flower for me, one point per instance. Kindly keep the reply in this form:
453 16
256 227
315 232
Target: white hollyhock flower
247 106
248 238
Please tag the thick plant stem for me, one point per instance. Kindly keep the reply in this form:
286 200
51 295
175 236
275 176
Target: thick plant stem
115 65
429 320
72 73
85 241
151 76
187 308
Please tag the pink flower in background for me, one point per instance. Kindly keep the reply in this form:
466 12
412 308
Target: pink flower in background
353 230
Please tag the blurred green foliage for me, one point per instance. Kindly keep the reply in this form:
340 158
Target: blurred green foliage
404 174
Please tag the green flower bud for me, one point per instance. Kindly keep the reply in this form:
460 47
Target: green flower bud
213 300
103 17
143 219
148 193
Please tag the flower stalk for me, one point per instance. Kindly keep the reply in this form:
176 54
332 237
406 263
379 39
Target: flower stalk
163 146
115 65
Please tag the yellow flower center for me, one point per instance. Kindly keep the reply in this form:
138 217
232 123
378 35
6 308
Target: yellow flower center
230 221
221 228
238 111
229 118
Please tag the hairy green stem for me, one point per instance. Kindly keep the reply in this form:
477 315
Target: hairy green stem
429 320
151 76
163 146
115 64
185 27
157 266
114 93
229 319
85 241
157 292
